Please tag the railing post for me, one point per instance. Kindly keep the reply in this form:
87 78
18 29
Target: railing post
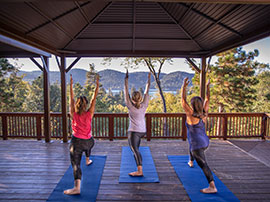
263 126
64 98
184 129
46 91
148 127
38 126
224 127
111 129
4 127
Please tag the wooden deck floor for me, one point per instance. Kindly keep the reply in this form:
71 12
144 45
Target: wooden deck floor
29 171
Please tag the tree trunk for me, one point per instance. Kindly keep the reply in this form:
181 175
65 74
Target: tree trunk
165 125
161 95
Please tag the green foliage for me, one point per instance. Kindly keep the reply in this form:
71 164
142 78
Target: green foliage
13 89
233 80
263 93
173 103
238 82
55 97
35 100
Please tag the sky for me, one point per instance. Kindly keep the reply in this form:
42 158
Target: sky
179 64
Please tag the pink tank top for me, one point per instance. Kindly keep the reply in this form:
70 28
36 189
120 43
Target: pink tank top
81 125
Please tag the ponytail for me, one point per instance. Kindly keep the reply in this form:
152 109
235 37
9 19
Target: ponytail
137 99
81 104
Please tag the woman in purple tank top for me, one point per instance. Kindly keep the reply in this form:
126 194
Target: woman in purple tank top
197 138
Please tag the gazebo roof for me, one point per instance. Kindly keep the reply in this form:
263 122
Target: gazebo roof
132 28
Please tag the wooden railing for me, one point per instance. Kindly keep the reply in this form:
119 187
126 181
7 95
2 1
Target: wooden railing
159 125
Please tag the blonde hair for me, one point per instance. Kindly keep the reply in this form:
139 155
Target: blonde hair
137 99
81 105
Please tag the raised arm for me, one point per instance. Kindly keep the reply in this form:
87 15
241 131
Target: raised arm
127 98
93 101
207 99
185 105
147 87
71 98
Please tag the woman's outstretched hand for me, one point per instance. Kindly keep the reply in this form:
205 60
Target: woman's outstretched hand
97 80
186 82
71 80
208 84
126 75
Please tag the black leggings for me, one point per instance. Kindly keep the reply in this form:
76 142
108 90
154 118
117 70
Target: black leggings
134 140
76 148
199 156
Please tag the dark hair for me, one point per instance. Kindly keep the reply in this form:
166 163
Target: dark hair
197 106
137 98
81 104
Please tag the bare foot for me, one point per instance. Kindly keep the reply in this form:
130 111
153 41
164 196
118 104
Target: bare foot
72 191
88 162
209 190
190 163
136 174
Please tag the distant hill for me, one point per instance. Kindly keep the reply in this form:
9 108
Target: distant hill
115 79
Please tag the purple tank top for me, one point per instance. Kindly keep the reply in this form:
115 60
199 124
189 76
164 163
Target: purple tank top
196 135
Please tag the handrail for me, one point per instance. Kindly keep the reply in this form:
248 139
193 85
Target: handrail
159 125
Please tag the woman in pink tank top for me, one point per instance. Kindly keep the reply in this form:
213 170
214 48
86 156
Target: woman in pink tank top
82 140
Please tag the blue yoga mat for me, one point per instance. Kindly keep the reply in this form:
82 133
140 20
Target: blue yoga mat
194 180
128 165
91 177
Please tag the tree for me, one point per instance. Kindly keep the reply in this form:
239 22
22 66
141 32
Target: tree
78 90
154 65
263 93
13 89
34 101
55 99
233 80
172 101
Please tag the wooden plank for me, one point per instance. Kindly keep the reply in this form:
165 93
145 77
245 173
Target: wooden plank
32 168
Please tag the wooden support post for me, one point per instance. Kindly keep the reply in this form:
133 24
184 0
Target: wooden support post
203 77
38 126
4 127
224 127
111 127
64 98
184 129
46 84
263 126
148 127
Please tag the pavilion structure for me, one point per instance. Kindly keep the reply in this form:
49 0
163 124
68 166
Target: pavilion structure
132 28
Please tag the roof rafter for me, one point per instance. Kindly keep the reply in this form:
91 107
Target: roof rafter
236 7
186 13
180 26
212 19
82 11
88 24
31 5
56 18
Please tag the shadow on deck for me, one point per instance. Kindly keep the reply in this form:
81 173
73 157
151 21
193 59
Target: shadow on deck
30 169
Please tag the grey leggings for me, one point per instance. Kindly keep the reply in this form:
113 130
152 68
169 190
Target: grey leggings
199 156
76 148
134 140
